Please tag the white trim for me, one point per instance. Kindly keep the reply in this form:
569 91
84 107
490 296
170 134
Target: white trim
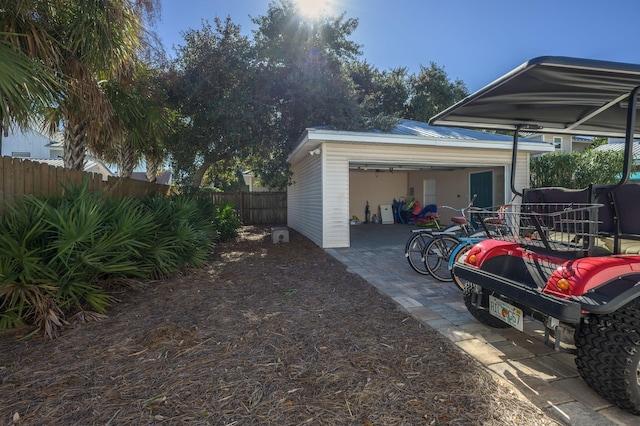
314 137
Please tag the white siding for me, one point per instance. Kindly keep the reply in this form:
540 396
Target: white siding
319 195
433 156
336 198
26 141
304 199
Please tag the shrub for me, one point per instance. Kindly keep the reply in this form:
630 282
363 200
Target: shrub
575 169
56 253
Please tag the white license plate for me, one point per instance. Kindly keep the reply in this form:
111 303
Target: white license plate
506 312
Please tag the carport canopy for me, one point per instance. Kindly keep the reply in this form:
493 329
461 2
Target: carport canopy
553 94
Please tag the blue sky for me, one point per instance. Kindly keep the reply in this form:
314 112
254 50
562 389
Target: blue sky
475 41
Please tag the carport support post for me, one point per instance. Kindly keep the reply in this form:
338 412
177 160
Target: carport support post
514 159
628 140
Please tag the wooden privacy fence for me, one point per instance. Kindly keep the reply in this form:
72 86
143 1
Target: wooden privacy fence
256 208
25 177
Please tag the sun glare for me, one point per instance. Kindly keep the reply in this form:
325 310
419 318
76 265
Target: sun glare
314 8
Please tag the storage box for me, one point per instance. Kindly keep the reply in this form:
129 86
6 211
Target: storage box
279 235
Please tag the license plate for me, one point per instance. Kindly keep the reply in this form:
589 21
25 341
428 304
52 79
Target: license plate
506 312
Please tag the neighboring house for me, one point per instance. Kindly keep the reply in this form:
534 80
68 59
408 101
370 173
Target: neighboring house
566 143
618 145
164 178
335 173
91 165
35 145
31 143
253 182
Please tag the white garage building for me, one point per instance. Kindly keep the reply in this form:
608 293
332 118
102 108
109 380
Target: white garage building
335 174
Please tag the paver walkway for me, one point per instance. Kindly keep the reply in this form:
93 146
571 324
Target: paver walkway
548 379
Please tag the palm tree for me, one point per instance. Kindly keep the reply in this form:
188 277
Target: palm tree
84 43
97 39
139 118
27 85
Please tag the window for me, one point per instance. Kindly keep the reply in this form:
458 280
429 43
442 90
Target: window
429 186
557 142
56 153
20 154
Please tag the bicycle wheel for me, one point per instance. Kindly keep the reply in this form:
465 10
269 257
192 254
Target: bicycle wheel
436 256
414 248
459 256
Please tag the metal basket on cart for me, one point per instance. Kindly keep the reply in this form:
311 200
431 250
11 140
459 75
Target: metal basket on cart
567 227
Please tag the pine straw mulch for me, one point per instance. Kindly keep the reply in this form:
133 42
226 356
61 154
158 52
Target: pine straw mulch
264 335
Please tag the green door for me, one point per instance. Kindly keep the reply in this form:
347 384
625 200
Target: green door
481 184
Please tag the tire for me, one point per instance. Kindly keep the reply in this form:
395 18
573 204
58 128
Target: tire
481 315
413 251
461 254
437 254
608 355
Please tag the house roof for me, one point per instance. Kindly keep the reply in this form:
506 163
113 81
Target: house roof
419 128
163 178
552 94
416 133
90 163
619 146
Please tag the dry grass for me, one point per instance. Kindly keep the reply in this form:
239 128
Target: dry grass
265 335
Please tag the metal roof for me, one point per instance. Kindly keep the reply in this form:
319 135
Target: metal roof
619 146
58 162
418 128
552 94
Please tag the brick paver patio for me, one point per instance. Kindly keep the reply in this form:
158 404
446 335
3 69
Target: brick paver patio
547 378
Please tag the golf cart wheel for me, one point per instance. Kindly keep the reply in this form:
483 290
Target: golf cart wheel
481 315
608 355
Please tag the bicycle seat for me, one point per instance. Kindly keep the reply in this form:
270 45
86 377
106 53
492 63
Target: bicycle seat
459 219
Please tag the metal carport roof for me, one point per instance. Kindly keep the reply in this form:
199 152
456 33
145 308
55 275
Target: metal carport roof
552 94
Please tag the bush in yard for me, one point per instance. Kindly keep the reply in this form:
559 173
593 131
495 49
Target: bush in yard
225 219
185 236
57 251
56 255
575 169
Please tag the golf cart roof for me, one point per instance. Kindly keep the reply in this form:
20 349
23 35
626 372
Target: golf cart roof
552 94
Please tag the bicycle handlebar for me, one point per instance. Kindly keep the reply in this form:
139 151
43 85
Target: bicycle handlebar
473 208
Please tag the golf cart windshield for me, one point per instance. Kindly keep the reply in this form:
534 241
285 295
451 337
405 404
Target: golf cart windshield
556 95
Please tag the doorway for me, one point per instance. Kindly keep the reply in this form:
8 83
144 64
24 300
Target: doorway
481 184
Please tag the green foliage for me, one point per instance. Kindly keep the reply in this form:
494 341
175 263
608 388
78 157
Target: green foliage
226 220
57 255
432 92
381 94
245 102
217 88
576 169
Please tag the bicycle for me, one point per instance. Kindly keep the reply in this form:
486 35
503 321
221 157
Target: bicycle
420 238
444 248
415 245
459 253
